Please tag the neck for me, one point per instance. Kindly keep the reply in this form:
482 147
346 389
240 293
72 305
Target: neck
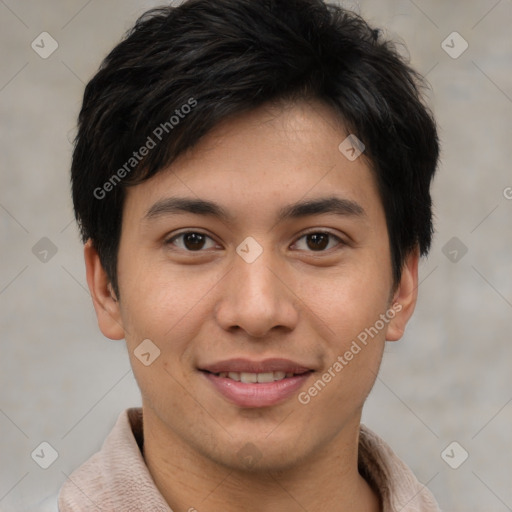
189 481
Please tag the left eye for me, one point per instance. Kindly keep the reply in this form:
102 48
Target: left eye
319 241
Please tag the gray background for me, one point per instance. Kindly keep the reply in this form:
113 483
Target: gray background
449 378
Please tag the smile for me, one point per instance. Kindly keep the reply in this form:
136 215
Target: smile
270 382
253 378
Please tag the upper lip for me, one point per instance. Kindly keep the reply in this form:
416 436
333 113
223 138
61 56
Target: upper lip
247 366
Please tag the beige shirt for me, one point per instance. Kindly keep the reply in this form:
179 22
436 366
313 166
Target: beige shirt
116 478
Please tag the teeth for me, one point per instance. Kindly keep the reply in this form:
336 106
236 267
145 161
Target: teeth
266 377
248 377
251 378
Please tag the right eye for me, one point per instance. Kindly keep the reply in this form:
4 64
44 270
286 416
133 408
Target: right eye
190 241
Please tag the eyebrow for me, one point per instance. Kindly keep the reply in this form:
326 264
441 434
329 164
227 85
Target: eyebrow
324 205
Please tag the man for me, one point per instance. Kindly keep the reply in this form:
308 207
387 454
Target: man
251 179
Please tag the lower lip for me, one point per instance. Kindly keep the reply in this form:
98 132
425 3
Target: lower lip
257 395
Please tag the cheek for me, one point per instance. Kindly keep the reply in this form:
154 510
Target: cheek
351 304
166 312
165 304
351 299
353 350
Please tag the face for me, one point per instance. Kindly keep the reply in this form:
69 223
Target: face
259 267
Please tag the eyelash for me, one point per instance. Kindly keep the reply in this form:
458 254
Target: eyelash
316 232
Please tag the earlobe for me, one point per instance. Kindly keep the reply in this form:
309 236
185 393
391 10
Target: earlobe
105 302
405 296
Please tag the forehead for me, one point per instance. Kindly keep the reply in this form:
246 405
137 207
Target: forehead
261 161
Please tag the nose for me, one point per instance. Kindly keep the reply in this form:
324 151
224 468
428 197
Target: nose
256 298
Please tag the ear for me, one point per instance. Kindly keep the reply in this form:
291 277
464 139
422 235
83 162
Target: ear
405 296
105 303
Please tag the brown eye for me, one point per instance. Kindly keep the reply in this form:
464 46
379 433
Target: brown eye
191 241
319 241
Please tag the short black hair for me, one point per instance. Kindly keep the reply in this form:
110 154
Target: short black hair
181 70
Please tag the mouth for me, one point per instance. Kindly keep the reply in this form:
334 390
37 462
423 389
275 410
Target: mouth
251 384
260 378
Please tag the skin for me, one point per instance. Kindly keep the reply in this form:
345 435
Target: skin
292 302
